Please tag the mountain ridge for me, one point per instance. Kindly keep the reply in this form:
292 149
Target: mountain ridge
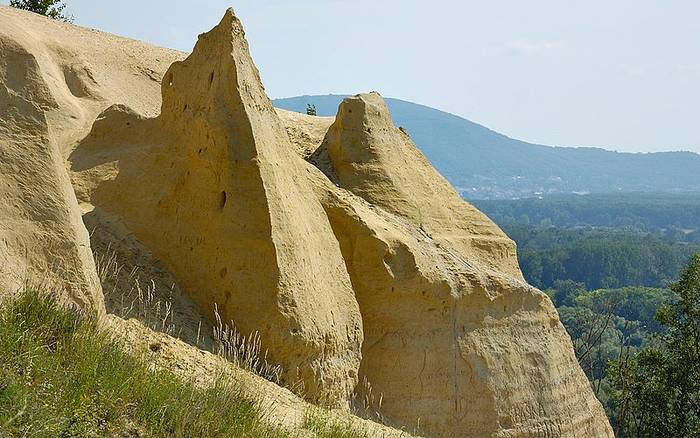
484 164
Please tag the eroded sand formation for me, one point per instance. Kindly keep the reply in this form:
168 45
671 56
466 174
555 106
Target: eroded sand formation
334 238
250 235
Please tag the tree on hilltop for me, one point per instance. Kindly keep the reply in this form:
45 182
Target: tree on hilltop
49 8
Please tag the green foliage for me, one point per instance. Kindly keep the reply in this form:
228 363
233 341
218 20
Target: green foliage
601 322
673 216
634 304
594 336
565 292
597 258
50 8
658 389
311 109
62 377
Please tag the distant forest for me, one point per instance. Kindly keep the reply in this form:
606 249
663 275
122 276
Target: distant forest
676 215
602 241
598 258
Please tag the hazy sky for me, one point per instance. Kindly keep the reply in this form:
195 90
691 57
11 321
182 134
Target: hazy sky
621 74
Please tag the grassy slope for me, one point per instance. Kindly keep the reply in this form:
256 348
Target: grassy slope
61 377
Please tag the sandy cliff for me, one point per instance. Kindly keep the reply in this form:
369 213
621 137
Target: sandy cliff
213 187
453 335
334 238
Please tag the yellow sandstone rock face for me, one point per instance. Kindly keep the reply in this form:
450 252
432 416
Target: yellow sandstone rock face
378 162
43 242
453 335
332 237
214 189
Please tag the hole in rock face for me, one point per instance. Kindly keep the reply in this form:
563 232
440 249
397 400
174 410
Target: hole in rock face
170 80
184 108
222 199
223 272
211 78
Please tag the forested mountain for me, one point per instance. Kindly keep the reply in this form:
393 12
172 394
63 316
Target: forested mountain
484 164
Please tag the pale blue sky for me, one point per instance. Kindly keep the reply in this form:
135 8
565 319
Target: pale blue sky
620 74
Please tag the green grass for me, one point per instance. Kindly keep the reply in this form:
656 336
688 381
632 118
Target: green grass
61 377
322 426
